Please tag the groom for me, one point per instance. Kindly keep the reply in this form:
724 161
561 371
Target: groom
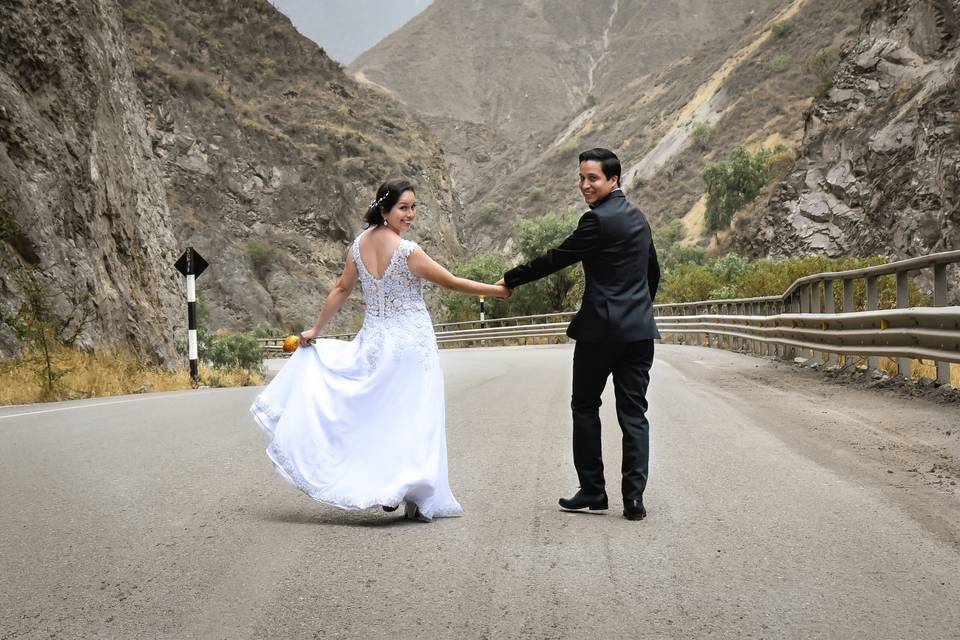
614 328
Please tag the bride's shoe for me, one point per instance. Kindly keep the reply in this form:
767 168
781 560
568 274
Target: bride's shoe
412 512
388 508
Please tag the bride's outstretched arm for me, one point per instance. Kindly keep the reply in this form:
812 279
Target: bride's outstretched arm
427 268
340 292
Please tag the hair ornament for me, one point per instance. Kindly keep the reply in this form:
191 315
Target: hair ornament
376 203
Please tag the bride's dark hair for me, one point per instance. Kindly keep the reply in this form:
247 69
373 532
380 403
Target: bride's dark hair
387 196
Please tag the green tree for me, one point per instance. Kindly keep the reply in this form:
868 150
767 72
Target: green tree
558 291
670 251
688 283
486 267
702 134
669 235
733 183
235 350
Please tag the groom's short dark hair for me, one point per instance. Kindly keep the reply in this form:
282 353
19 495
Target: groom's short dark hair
608 160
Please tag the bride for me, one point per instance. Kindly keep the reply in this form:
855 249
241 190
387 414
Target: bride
359 424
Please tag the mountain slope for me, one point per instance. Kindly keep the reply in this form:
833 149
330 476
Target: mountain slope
747 88
499 79
270 154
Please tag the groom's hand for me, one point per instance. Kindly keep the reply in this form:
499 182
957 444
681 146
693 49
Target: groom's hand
501 283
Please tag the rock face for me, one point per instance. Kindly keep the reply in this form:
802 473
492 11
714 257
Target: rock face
879 169
270 155
130 131
81 193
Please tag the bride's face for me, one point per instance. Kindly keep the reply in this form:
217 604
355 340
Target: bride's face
401 216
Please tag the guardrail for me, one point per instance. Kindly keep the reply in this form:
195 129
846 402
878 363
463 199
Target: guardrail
807 318
804 319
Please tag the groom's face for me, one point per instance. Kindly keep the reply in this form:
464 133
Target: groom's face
594 185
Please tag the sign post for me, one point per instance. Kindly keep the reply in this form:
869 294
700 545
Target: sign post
482 317
191 264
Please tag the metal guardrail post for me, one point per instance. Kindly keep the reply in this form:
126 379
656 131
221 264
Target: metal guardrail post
815 306
742 344
748 345
701 337
794 304
873 301
732 343
848 305
829 306
848 296
782 348
806 291
696 336
716 339
904 365
940 300
724 309
739 344
761 310
772 349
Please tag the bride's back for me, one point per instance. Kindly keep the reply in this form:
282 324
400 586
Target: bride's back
376 250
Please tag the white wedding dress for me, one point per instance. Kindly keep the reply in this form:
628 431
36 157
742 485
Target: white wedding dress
359 424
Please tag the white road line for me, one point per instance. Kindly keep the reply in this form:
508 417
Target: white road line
104 404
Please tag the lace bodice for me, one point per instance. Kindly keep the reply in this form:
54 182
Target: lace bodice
396 321
398 292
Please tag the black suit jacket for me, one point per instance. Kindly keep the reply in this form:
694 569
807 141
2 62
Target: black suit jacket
614 242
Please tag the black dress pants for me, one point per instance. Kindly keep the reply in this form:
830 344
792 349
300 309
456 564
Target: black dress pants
630 363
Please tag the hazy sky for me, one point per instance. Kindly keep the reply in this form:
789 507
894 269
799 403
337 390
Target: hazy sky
347 28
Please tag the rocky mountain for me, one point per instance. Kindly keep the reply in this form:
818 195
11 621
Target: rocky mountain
82 204
879 168
270 154
862 96
511 84
130 130
748 87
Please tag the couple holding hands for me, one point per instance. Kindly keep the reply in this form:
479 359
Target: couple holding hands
361 424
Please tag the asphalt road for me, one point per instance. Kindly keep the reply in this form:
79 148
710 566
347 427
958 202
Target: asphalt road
781 506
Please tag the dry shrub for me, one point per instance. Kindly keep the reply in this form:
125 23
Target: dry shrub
106 373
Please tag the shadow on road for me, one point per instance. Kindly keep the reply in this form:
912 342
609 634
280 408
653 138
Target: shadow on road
335 517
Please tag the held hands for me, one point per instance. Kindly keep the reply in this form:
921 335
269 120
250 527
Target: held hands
503 292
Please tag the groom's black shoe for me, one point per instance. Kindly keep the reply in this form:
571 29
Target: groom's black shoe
633 510
582 500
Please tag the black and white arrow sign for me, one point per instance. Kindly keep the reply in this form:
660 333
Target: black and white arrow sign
191 264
